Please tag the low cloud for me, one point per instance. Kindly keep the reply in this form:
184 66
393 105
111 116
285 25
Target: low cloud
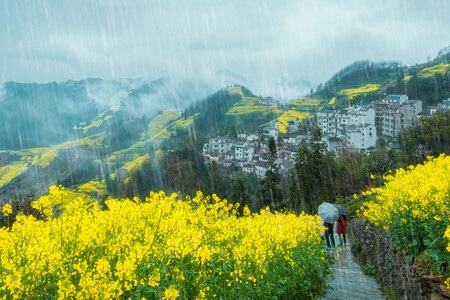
264 41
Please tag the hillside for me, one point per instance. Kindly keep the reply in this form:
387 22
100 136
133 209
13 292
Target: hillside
365 81
113 144
40 115
132 136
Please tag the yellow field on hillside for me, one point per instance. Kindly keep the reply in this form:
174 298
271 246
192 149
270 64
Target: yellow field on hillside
305 102
288 116
437 69
92 141
364 89
92 187
249 105
136 163
11 171
244 110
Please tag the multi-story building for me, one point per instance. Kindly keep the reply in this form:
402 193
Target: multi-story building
351 127
394 113
362 137
333 122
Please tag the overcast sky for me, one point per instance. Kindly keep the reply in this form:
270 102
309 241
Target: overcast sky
261 40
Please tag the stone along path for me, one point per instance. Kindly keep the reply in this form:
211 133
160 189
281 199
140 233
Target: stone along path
349 281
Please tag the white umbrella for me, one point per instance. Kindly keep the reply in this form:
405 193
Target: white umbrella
328 212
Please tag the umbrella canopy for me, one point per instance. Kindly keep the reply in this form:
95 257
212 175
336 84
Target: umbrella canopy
328 212
342 210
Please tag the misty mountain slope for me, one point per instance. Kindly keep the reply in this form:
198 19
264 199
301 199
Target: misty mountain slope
95 129
39 115
113 140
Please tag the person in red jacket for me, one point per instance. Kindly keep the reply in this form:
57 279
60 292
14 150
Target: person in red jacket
341 229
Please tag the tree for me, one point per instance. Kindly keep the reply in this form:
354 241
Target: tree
432 137
272 150
239 190
184 171
312 176
270 194
218 180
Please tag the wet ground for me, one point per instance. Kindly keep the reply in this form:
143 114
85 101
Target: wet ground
349 280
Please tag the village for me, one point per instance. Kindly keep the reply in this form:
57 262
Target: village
358 128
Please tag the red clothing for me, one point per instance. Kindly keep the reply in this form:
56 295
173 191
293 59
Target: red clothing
341 226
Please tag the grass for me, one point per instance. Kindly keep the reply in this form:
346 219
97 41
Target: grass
96 123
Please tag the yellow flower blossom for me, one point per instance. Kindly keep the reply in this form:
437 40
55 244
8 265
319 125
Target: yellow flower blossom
165 245
171 293
7 210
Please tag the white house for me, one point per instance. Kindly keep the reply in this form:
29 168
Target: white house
362 137
243 151
271 130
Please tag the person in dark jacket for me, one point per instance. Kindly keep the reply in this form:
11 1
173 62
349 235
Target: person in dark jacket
341 229
329 234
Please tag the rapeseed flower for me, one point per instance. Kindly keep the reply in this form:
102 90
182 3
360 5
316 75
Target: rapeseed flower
7 210
414 206
162 246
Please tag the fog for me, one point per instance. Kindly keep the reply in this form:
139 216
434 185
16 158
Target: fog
274 47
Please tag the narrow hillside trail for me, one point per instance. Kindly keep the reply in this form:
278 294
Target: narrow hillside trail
349 281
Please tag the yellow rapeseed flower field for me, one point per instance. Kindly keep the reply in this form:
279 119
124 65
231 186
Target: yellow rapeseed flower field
162 247
414 207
